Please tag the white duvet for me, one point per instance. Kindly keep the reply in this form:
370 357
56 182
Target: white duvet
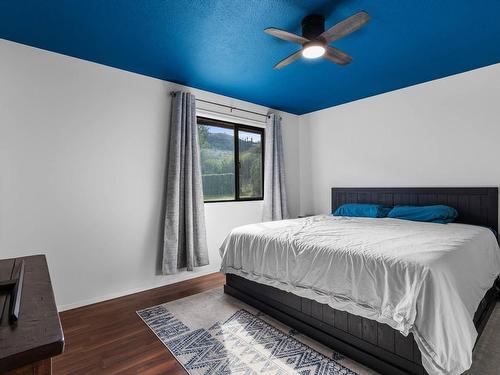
423 278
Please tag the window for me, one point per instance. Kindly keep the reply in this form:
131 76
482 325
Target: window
232 161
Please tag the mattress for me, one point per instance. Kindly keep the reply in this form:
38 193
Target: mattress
423 278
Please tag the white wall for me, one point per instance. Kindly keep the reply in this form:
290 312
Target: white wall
83 151
441 133
82 163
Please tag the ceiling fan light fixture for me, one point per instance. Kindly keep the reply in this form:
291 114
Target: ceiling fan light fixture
313 51
315 39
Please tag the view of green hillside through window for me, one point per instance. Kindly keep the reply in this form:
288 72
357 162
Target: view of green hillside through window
218 162
250 150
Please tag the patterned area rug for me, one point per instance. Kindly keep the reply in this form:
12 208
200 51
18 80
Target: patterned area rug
213 333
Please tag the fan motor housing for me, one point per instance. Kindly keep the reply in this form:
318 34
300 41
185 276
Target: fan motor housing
312 26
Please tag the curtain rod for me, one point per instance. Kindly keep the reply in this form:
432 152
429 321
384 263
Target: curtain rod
237 117
172 93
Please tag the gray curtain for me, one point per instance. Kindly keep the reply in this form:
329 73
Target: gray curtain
275 206
185 244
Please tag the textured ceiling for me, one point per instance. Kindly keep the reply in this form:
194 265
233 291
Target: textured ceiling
219 46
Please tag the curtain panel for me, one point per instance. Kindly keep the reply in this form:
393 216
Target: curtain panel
185 244
275 204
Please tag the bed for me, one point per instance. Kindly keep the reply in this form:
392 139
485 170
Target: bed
362 332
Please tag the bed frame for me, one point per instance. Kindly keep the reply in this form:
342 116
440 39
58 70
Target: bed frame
373 344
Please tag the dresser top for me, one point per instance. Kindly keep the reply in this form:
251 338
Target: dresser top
37 334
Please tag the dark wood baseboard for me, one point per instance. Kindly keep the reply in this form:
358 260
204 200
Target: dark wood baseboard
109 337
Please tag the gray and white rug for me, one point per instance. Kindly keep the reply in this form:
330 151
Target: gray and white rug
213 333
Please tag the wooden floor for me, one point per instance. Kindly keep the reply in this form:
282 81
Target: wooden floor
109 338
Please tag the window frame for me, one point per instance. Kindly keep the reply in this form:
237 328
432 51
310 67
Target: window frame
236 127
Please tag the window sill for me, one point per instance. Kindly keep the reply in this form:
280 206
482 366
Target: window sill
237 200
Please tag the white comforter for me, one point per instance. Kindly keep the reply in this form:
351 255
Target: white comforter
423 278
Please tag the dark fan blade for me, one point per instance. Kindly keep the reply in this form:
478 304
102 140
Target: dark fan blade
290 59
345 27
285 35
337 56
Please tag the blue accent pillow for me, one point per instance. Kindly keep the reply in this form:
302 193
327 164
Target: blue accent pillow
362 210
432 214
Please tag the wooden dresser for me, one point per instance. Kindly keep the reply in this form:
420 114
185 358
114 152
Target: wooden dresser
28 345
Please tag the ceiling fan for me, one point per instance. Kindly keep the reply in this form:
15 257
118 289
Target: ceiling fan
315 39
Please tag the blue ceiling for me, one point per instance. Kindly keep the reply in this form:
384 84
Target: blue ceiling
220 46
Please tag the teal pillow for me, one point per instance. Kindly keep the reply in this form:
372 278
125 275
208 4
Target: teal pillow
362 210
432 214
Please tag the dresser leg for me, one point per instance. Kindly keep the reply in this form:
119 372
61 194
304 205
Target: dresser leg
43 367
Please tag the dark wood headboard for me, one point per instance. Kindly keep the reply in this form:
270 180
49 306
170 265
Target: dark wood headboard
476 206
